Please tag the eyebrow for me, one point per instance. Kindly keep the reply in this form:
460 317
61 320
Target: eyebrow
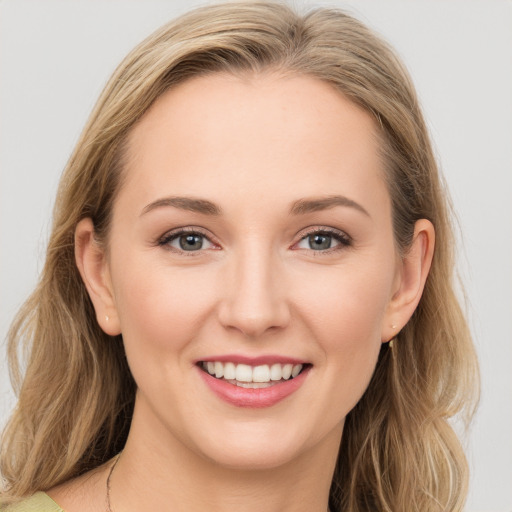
185 203
303 206
299 207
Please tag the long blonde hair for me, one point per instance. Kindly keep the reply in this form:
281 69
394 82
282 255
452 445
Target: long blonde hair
399 451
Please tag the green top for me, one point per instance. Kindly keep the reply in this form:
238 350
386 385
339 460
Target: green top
39 502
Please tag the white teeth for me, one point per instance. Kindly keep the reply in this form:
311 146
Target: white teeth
243 373
261 373
229 371
296 370
276 372
246 374
219 370
287 371
253 385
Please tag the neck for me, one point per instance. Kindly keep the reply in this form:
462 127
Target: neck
153 475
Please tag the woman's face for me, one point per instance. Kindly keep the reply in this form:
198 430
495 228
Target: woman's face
252 235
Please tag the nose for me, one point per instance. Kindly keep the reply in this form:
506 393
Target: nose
254 295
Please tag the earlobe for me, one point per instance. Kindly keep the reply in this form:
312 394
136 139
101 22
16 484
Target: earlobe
412 276
92 265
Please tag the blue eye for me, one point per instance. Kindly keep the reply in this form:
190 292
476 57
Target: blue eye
323 241
188 241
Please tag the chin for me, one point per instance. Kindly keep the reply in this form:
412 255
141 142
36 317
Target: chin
253 458
256 446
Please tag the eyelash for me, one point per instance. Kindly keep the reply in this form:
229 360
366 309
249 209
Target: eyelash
341 237
166 239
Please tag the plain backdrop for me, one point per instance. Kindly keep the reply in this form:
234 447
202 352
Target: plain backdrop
55 57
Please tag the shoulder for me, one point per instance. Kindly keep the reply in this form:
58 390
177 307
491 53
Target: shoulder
38 502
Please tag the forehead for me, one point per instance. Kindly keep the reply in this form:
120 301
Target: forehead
268 133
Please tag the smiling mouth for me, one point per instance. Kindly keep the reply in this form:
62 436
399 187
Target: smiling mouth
255 377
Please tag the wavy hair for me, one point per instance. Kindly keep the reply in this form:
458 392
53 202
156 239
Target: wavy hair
399 451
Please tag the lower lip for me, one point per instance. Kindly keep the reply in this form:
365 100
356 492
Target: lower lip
253 397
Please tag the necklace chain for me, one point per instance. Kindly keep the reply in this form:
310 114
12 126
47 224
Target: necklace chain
109 508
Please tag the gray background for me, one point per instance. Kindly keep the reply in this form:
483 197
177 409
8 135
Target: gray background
55 57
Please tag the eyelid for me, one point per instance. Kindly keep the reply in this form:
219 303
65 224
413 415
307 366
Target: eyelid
343 238
172 234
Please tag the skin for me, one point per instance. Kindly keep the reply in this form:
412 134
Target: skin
253 146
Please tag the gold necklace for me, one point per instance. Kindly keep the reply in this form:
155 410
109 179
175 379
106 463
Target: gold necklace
109 509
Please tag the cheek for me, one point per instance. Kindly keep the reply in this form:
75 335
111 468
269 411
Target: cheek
348 307
346 320
159 307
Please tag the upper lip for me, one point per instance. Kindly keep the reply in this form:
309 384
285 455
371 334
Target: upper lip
253 361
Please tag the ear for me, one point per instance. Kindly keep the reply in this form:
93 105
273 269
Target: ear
92 264
412 272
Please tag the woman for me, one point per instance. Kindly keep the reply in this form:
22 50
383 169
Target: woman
242 307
